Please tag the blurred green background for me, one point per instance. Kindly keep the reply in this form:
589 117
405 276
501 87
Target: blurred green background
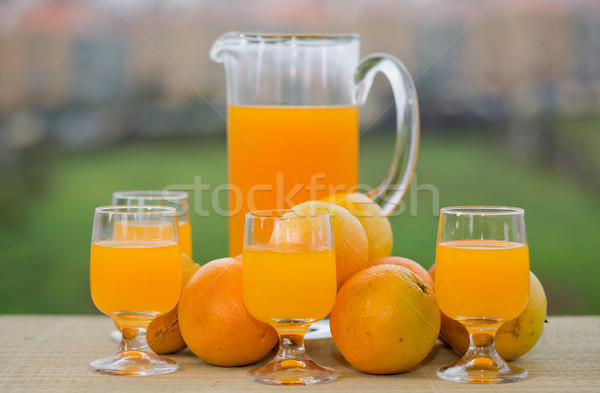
87 107
46 246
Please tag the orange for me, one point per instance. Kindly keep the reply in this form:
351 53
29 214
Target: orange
431 272
349 238
376 225
515 337
385 320
410 265
214 321
163 334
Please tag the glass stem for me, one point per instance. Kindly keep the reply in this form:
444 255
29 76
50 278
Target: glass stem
133 328
291 342
134 339
481 340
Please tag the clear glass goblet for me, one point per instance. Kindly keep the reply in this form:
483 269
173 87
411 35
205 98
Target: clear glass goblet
482 280
289 282
135 276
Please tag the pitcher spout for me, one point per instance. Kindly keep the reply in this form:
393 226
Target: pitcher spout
224 44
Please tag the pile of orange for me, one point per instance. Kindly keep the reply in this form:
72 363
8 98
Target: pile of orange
385 319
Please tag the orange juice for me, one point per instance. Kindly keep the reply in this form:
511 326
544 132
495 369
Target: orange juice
185 237
288 282
482 278
155 230
135 275
150 229
280 156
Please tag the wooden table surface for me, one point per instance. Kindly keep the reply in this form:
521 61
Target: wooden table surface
51 353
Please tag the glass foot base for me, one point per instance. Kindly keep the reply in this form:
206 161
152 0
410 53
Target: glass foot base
292 372
134 363
481 370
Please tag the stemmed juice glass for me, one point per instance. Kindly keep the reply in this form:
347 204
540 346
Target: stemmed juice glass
289 282
175 199
482 280
135 275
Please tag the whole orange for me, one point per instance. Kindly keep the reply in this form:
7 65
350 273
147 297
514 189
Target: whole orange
374 222
349 238
214 321
431 272
410 265
385 320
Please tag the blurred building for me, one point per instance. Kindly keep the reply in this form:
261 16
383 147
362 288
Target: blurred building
68 65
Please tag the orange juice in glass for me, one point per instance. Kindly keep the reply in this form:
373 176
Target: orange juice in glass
113 264
176 199
185 236
504 267
309 296
289 281
482 280
293 120
142 230
135 275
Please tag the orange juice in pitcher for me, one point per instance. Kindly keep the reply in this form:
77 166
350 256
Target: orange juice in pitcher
286 155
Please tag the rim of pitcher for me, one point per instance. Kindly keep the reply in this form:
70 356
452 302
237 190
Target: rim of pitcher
254 37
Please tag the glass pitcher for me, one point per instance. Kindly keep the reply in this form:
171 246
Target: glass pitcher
292 121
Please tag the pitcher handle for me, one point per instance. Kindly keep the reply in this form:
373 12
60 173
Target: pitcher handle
390 192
